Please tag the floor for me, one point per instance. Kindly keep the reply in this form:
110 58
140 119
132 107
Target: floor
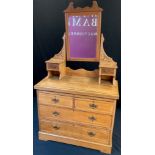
54 148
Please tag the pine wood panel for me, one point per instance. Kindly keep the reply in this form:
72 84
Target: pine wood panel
76 131
81 72
51 112
50 98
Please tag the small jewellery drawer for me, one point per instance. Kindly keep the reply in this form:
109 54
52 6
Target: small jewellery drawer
53 66
107 71
55 99
50 113
75 131
99 106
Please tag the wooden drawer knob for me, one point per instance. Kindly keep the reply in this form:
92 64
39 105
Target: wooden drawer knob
92 118
55 100
55 113
91 134
56 127
93 106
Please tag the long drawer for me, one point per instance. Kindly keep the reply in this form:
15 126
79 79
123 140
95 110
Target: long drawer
49 98
99 106
52 112
75 131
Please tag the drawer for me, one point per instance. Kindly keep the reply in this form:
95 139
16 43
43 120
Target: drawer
107 71
55 99
53 66
75 131
62 114
99 106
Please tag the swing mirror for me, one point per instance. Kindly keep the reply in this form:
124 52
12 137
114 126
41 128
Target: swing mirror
83 30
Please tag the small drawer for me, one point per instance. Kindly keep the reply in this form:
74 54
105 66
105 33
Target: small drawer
99 106
107 71
75 131
53 66
49 98
63 114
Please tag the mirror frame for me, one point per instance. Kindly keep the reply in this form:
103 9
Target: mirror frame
94 10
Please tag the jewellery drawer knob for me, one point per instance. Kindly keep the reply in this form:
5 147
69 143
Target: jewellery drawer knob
92 118
91 134
56 127
93 106
55 100
55 113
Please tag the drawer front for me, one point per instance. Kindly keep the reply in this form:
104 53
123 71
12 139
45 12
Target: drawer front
52 66
95 105
107 71
55 99
50 113
75 131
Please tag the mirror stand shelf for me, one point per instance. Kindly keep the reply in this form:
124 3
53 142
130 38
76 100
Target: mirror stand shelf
56 66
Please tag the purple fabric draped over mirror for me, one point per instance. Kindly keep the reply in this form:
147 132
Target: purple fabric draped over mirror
82 36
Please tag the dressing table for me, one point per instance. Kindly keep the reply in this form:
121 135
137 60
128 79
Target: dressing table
78 106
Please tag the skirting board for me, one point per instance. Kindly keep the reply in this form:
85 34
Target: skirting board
68 140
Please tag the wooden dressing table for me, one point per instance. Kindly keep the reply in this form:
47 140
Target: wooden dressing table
78 106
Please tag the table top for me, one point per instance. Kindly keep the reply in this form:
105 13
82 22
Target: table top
79 86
